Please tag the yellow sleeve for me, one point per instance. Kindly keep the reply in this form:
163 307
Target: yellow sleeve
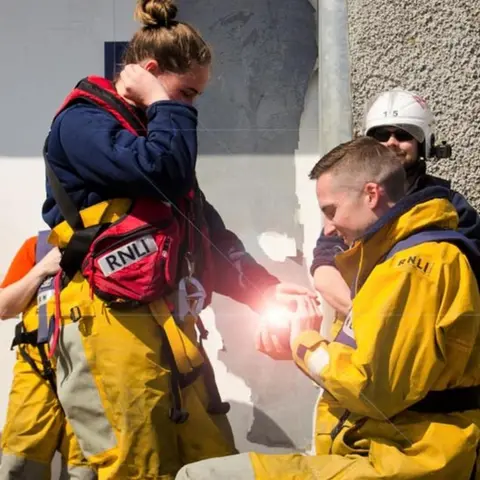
310 350
413 330
310 353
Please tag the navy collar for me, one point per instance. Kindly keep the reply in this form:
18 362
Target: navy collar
415 172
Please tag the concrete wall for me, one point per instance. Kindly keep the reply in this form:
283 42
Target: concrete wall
430 46
251 115
258 140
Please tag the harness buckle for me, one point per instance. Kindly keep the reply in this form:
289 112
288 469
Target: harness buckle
191 297
75 314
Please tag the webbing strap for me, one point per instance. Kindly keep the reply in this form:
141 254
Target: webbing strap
65 204
42 247
215 404
434 235
114 102
449 401
77 248
30 338
22 337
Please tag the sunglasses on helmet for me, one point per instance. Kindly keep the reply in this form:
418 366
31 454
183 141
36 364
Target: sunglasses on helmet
383 134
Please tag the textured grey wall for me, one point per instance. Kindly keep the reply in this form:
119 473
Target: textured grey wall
433 47
265 53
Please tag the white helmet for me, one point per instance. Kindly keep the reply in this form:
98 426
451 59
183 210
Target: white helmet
406 110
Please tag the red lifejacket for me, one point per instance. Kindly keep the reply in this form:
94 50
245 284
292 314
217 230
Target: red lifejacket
102 92
142 256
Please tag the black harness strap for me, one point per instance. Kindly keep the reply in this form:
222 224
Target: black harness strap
30 338
215 405
22 337
449 401
76 250
65 204
114 102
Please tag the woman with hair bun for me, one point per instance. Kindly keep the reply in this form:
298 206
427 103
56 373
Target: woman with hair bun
142 252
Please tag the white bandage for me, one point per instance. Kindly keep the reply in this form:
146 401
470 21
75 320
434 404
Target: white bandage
316 362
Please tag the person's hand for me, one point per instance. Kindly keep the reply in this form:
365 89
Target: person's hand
273 334
280 326
306 317
50 264
285 294
141 87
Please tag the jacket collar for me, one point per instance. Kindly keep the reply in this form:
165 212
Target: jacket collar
415 172
418 178
403 206
426 208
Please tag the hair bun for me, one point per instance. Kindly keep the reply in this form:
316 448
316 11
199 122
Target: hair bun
155 13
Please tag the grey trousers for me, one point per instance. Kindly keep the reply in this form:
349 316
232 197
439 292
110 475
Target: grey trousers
235 467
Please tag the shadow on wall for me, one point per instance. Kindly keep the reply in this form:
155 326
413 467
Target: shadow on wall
264 432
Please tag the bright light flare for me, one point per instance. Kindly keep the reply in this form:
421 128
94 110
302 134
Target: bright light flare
277 316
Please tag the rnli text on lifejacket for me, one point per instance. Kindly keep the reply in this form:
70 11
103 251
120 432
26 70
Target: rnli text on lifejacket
126 255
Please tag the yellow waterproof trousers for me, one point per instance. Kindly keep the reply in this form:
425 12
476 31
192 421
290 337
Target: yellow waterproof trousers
36 426
114 383
415 447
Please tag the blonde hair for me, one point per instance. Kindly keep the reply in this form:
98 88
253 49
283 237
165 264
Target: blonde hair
176 46
363 160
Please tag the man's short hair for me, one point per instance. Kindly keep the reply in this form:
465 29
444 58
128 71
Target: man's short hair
363 160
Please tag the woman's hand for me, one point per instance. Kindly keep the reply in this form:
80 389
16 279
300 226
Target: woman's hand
141 87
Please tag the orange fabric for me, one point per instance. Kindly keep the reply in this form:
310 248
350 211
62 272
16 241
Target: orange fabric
23 262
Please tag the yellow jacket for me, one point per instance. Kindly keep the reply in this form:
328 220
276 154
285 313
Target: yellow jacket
415 319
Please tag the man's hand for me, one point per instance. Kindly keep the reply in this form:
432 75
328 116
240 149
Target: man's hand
306 317
273 340
280 327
